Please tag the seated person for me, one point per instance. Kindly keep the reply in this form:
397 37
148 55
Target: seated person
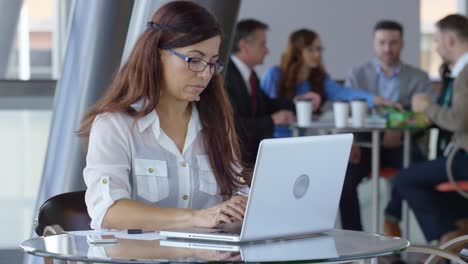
444 99
393 212
157 155
255 113
389 77
437 213
301 71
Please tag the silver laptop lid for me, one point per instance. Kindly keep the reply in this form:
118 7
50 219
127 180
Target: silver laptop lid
296 186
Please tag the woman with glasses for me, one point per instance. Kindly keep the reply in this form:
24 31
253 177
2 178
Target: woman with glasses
301 70
162 150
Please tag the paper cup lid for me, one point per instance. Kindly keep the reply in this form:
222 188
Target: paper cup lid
359 100
340 102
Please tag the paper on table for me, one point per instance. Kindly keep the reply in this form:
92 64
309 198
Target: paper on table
120 234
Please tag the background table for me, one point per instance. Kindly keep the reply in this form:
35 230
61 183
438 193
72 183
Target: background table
375 128
332 246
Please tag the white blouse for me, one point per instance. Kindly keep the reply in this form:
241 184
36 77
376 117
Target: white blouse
146 165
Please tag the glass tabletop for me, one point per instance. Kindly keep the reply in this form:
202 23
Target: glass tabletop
331 246
369 126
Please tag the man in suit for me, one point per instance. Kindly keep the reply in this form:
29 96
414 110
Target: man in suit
386 74
255 113
388 77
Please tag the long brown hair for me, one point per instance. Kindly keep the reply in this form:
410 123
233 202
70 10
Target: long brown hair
176 24
291 63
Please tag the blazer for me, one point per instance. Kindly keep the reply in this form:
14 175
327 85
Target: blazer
412 80
455 117
251 128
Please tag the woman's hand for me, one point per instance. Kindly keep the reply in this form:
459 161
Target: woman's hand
282 117
314 97
420 102
380 101
226 212
392 139
355 155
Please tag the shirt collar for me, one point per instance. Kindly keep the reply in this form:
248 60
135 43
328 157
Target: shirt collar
194 122
379 70
153 118
244 70
194 126
459 65
144 122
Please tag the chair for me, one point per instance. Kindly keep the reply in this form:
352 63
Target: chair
449 250
445 186
386 172
66 211
448 187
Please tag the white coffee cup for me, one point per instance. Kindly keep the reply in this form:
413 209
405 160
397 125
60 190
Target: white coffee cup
358 112
341 113
303 112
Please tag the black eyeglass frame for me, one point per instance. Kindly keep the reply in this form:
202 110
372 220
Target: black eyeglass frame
215 68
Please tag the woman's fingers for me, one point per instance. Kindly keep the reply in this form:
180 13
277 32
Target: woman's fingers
226 212
239 199
221 217
234 211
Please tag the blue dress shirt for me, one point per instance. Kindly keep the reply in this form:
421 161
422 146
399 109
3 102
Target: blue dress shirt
389 86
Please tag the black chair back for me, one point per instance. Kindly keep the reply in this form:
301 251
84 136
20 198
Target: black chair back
68 210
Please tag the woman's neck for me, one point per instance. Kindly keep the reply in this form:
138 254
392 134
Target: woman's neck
171 109
303 74
174 116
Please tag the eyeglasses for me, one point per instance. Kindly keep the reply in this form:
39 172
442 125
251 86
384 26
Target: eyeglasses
198 65
319 49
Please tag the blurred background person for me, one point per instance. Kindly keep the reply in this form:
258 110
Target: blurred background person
387 76
301 71
443 215
255 113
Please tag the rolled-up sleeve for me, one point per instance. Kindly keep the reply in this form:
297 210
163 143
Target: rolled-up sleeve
334 92
108 166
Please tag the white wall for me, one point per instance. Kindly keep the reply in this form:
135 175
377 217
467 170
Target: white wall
345 27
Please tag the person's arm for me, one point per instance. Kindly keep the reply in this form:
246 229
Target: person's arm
424 85
336 92
269 83
107 173
129 214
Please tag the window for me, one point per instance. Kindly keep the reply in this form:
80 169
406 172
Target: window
431 12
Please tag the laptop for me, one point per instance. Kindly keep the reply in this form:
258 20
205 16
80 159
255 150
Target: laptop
296 189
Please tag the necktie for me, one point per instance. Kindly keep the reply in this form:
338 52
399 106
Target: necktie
253 91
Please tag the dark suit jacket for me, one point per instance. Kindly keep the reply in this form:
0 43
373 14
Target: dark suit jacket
251 129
